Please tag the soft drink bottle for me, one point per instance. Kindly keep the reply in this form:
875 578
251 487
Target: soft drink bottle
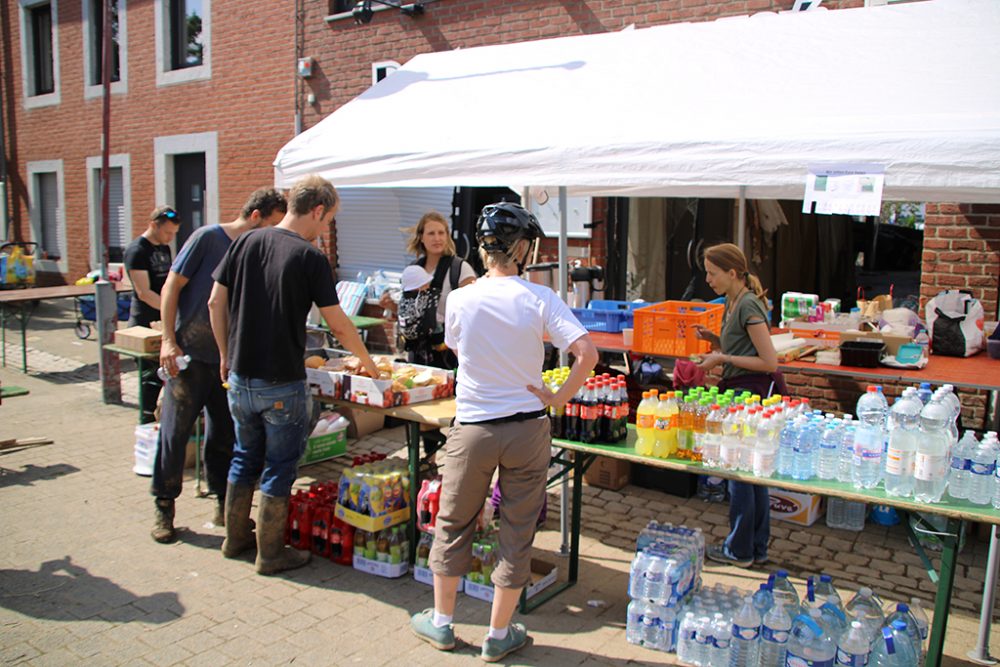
809 644
602 430
903 613
571 417
661 425
931 463
854 648
702 409
713 436
589 414
868 440
746 635
774 634
905 430
959 473
893 647
685 432
645 418
983 468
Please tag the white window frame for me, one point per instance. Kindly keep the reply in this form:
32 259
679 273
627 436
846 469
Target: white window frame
122 160
169 77
389 66
47 167
27 60
164 148
119 87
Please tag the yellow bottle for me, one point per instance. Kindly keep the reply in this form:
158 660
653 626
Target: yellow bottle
661 446
644 425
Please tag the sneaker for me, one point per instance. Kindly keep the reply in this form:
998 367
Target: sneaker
422 624
761 560
495 650
719 554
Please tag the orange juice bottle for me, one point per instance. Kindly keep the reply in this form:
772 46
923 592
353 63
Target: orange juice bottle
644 425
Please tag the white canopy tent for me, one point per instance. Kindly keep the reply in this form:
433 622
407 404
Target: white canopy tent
691 109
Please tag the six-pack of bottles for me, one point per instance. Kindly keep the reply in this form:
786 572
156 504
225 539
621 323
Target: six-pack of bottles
597 414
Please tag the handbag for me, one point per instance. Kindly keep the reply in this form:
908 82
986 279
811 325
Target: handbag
955 320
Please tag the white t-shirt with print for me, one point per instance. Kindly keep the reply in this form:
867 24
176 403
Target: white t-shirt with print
496 326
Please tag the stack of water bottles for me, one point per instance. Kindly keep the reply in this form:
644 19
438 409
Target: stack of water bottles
666 570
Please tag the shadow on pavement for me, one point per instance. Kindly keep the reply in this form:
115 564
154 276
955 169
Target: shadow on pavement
32 473
62 591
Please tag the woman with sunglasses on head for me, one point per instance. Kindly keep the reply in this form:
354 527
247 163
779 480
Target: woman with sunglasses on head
749 361
147 260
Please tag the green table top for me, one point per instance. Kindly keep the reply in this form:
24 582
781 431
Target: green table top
363 322
946 507
131 353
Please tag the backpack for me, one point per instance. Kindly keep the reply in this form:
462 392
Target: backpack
417 326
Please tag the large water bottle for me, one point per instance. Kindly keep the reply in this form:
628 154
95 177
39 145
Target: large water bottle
809 644
868 440
930 468
903 613
832 620
763 600
959 473
866 609
825 590
633 624
982 469
784 590
854 646
746 635
893 647
923 624
829 451
786 446
775 630
905 420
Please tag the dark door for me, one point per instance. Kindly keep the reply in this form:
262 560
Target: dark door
694 224
189 193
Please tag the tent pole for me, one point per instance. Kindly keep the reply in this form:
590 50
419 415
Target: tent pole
563 358
741 221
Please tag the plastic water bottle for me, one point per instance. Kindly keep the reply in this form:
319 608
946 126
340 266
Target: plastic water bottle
633 623
846 469
959 473
902 613
893 647
829 451
775 630
866 608
982 469
832 620
786 447
809 644
806 451
653 584
713 436
765 453
685 638
182 363
784 590
652 627
920 616
924 393
905 420
746 635
721 648
637 575
729 451
854 647
702 641
996 487
868 440
950 399
763 600
825 590
930 468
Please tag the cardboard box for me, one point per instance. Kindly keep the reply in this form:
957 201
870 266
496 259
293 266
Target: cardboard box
608 473
138 339
378 393
824 334
801 508
543 575
379 568
326 446
892 342
362 422
425 576
371 524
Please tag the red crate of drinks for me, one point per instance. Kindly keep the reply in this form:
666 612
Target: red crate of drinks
668 328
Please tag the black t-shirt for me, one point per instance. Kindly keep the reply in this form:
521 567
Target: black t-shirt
143 255
273 277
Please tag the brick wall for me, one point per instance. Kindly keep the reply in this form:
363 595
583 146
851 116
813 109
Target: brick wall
248 102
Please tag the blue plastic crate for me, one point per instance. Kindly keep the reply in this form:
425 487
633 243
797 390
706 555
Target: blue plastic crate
88 309
604 304
608 321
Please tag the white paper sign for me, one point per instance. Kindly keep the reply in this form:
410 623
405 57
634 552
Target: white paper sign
851 189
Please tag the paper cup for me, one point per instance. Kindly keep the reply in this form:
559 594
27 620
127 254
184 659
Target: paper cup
627 337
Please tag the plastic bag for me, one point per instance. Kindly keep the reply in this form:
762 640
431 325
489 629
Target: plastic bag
955 320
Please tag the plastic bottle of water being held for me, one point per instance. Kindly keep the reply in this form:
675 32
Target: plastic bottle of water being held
809 644
775 629
905 419
868 440
931 466
893 647
982 469
854 647
746 635
959 472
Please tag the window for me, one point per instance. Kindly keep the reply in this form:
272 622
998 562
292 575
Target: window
40 52
186 47
341 6
119 207
47 210
93 44
382 69
183 41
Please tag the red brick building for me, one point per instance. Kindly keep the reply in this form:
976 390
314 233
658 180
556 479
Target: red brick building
202 99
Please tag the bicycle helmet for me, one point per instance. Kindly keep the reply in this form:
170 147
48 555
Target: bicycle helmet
502 225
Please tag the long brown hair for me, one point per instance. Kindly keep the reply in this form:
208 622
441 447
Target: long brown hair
729 257
415 246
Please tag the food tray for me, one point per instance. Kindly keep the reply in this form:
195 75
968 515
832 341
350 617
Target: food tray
668 328
862 353
608 321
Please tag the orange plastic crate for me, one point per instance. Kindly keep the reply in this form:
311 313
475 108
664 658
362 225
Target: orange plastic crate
668 329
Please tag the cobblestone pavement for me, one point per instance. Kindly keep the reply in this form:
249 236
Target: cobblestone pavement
81 582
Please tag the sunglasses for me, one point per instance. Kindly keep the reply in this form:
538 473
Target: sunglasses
169 215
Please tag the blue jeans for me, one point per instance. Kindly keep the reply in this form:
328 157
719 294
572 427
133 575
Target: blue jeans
749 520
272 426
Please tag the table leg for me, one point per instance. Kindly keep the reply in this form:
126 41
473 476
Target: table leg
138 363
942 602
197 455
3 334
413 459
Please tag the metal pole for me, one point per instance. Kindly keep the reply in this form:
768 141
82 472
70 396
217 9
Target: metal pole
563 357
981 653
741 221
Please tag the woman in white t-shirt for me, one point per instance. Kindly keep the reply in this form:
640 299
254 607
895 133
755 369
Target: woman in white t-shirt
435 250
497 328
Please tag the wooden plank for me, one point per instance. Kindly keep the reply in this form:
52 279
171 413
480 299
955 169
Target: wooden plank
57 292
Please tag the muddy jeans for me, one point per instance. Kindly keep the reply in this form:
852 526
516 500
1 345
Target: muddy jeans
184 396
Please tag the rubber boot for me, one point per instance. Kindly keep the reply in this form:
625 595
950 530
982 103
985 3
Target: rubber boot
239 527
163 527
273 555
219 519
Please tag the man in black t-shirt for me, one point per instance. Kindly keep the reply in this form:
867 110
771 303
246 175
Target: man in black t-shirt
264 288
147 260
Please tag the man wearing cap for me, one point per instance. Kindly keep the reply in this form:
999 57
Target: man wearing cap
147 260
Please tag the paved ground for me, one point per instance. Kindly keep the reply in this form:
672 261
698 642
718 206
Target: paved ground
81 582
